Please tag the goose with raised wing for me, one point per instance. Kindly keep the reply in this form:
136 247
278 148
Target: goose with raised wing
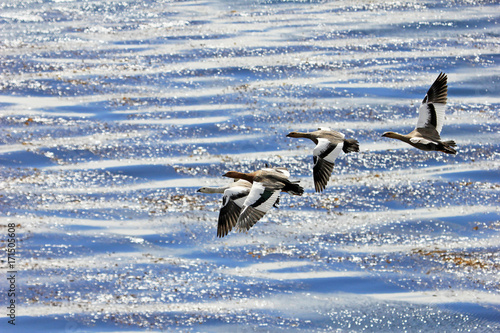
329 144
267 184
426 136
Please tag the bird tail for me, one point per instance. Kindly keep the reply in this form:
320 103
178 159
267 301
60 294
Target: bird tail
350 146
450 143
447 147
293 188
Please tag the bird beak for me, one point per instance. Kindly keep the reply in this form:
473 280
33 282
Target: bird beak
198 190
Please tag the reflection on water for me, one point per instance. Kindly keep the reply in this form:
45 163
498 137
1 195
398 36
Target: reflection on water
114 113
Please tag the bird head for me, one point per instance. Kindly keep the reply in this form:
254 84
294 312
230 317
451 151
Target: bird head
293 135
389 134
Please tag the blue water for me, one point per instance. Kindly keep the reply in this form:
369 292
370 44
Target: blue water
114 113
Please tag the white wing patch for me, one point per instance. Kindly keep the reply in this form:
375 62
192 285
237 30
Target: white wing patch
335 153
323 146
238 192
424 116
440 110
422 141
242 183
255 195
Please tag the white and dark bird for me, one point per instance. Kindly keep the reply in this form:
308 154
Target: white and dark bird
329 144
426 135
267 184
234 195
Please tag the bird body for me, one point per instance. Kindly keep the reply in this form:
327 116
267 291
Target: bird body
329 144
426 135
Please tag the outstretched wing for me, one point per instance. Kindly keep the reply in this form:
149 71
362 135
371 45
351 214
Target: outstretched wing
433 107
324 155
257 204
232 201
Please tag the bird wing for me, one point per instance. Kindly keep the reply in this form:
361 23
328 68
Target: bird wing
321 173
232 201
327 149
260 199
241 183
423 141
332 135
433 107
278 171
324 155
283 171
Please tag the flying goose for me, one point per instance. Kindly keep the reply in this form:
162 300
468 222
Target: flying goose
267 184
234 196
430 121
328 146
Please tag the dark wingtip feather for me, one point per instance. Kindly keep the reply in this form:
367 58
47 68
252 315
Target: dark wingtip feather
321 173
228 217
248 218
438 92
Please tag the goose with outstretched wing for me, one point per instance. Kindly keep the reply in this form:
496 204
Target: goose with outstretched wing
234 195
329 144
426 136
267 184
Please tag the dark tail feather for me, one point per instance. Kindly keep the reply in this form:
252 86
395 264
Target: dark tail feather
293 188
447 147
450 143
350 146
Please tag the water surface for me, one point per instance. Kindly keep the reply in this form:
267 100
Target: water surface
113 113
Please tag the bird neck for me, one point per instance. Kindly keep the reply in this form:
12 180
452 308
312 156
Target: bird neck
300 135
240 175
216 189
398 136
247 177
303 135
402 137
